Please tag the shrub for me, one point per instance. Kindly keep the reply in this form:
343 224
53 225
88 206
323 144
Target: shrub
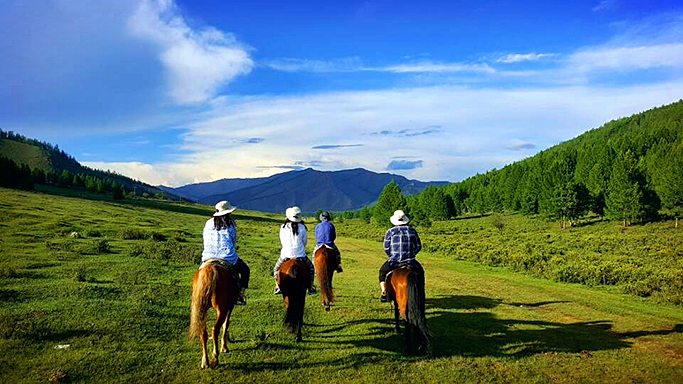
99 246
169 251
134 234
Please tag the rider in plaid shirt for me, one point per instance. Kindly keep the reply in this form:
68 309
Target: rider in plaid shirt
401 244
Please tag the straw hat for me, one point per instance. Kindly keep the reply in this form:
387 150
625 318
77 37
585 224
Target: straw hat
293 213
223 208
399 218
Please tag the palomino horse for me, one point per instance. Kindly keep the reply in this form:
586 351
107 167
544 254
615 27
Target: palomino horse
325 265
405 287
213 286
294 279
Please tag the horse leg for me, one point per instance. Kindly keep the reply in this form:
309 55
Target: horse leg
205 353
397 318
226 335
216 332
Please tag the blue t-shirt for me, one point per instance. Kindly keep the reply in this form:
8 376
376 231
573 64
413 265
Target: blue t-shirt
325 233
219 244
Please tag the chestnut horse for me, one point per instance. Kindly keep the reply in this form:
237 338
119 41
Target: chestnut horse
294 279
325 265
405 287
213 286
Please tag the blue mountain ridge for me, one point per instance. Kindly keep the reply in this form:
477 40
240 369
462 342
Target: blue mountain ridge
309 189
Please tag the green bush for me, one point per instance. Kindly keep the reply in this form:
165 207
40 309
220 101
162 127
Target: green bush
134 234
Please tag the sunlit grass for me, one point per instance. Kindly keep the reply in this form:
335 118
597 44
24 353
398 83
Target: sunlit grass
124 315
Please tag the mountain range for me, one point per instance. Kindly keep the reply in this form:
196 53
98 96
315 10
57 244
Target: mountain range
310 189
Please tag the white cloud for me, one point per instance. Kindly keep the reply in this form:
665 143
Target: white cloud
475 125
520 57
354 64
604 5
628 58
198 62
428 66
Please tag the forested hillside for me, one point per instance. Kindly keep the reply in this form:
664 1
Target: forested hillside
25 162
628 170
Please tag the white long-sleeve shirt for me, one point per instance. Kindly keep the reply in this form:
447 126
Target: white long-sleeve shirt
293 246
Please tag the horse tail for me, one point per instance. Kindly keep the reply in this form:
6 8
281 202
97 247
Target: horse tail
204 286
415 311
324 270
294 287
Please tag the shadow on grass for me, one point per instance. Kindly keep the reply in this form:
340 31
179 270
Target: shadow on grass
478 334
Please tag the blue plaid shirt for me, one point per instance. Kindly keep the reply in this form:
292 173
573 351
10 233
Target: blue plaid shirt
401 244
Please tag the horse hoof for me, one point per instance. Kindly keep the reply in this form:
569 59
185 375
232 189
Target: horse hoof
327 309
224 350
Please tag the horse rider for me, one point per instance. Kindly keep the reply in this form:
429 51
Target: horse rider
401 244
325 234
293 237
220 237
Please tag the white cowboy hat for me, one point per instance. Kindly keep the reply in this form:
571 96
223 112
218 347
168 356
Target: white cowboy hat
399 218
223 208
293 213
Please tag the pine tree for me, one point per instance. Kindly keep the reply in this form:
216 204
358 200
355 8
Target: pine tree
670 186
390 200
624 196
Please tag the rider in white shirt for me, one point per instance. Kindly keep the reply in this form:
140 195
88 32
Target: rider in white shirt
293 237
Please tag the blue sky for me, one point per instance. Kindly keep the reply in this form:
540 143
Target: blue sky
176 92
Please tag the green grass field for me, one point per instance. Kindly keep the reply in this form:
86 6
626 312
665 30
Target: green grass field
118 297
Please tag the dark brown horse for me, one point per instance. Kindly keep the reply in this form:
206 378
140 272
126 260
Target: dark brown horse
213 286
405 287
325 265
294 279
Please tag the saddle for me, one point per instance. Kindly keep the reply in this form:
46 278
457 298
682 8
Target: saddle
405 265
225 265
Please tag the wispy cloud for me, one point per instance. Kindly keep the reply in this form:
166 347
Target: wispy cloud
435 67
286 167
197 62
628 58
354 64
252 140
520 57
401 165
407 132
349 64
604 5
334 146
518 145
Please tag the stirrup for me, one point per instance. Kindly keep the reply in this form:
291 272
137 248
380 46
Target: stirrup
383 299
277 291
312 290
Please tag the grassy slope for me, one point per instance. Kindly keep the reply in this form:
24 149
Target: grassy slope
125 317
25 154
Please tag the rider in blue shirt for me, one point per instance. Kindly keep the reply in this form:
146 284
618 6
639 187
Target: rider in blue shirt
325 234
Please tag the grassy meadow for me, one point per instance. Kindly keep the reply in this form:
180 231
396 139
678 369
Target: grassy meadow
113 304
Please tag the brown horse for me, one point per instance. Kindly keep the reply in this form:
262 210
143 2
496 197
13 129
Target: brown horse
405 287
213 286
325 265
294 279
